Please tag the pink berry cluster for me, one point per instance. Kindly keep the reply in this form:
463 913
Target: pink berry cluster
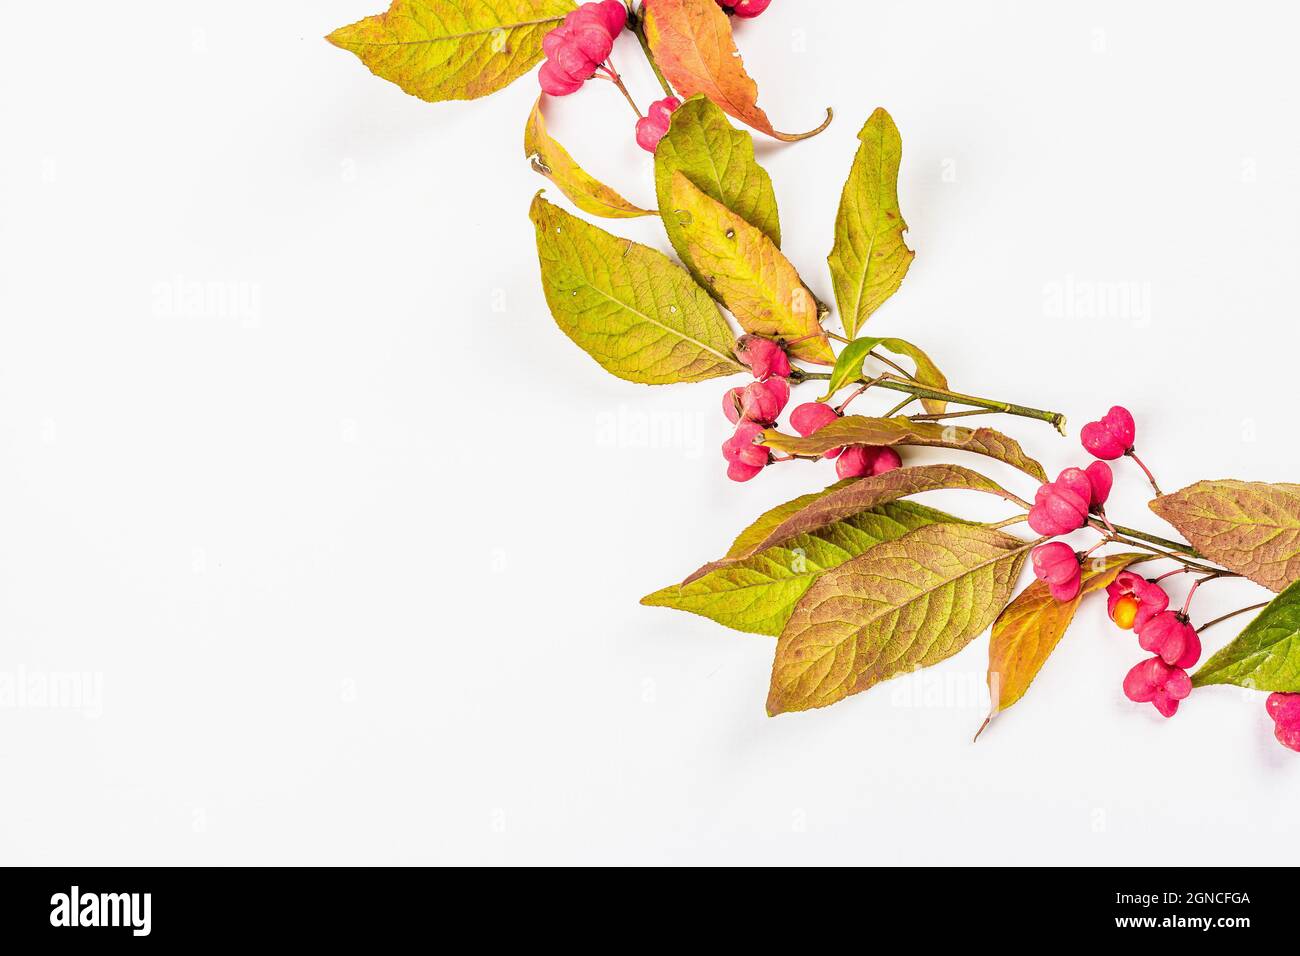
746 9
758 405
1285 711
652 127
578 46
1134 603
1142 606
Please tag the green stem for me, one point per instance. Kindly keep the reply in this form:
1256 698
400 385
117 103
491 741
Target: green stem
1175 546
1147 542
636 23
1006 523
917 390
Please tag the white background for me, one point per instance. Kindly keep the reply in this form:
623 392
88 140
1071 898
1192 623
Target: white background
349 537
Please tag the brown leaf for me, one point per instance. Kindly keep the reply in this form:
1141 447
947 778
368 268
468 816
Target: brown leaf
1029 628
1250 527
692 43
902 605
841 501
860 430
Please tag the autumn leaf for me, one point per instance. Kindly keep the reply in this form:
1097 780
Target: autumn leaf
1029 628
749 540
812 512
692 43
904 604
718 159
758 593
453 49
860 430
747 272
1266 654
554 162
848 368
870 258
634 310
1250 527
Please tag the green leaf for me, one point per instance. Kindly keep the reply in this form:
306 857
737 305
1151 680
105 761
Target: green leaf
843 500
904 604
1250 527
629 307
860 430
848 368
1030 627
718 159
453 49
746 271
748 541
757 594
1266 655
554 162
870 258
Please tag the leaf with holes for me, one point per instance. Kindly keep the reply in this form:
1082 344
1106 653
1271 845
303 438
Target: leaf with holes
1266 654
1030 627
692 43
747 272
629 307
904 604
718 159
758 593
453 49
554 162
870 257
848 368
860 430
1250 527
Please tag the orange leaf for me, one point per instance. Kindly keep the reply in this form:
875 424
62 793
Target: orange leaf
1029 628
692 43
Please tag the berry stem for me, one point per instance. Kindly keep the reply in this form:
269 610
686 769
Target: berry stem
1150 477
1199 581
612 75
636 23
1230 614
845 404
1187 602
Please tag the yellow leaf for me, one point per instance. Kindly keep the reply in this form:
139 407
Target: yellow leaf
747 272
453 49
811 513
554 162
870 258
1029 628
719 160
757 594
631 308
692 43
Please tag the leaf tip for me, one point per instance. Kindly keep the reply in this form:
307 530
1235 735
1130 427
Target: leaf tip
796 137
